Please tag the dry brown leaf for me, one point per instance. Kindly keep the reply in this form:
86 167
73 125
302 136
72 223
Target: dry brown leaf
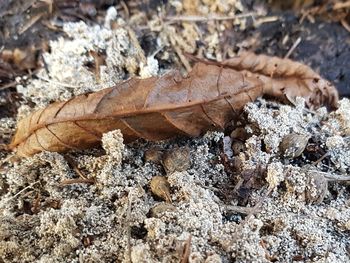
158 108
285 79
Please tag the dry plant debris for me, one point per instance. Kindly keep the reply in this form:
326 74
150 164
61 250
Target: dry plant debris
293 145
161 188
177 159
159 108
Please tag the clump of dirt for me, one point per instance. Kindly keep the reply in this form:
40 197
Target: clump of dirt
238 197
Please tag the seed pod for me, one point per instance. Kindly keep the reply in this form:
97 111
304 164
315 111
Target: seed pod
316 188
160 209
161 188
153 155
293 145
177 160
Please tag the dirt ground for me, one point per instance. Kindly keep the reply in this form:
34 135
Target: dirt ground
226 197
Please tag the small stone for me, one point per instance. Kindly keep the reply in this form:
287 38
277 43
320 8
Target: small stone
293 145
160 187
153 155
316 188
159 209
239 134
177 160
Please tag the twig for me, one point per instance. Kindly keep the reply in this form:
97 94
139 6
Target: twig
24 189
336 177
49 4
238 185
157 51
255 209
75 167
293 47
320 159
51 26
333 177
66 85
126 9
77 181
6 200
267 19
187 250
8 85
345 24
31 22
214 17
128 228
212 188
10 158
242 209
